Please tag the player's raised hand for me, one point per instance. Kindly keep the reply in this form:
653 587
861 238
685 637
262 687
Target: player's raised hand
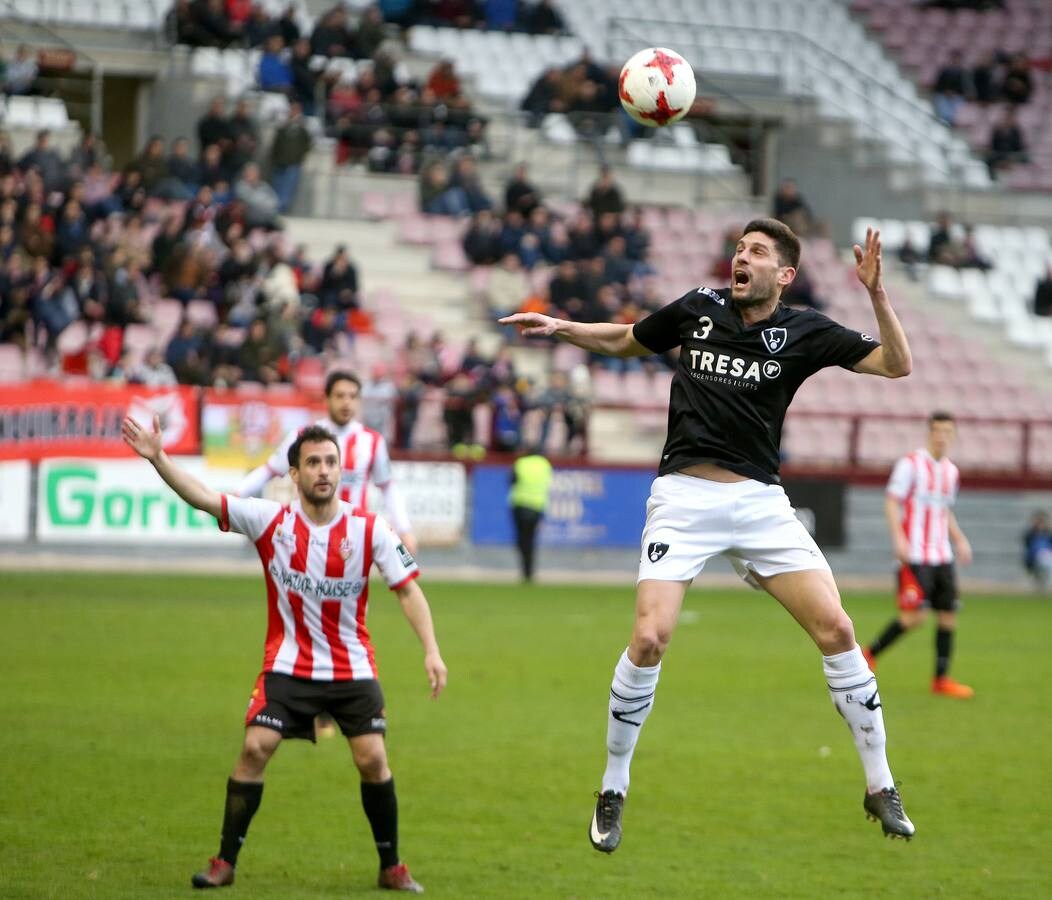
533 324
436 673
147 443
867 262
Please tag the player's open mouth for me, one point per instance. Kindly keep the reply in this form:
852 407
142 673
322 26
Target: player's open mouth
741 277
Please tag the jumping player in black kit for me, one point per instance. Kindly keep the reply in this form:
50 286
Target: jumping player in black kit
742 357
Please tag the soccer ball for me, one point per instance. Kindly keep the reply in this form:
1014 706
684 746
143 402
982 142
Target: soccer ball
656 87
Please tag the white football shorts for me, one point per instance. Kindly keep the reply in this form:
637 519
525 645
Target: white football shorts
690 520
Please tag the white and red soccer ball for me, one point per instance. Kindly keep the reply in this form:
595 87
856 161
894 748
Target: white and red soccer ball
656 87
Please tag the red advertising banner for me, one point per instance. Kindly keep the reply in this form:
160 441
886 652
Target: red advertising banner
45 418
240 428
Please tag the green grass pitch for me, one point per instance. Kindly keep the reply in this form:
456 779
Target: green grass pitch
123 698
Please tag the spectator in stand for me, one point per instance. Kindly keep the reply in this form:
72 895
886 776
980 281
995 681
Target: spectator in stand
519 193
952 86
482 239
1007 146
508 286
466 177
259 28
911 258
331 37
275 73
213 128
454 13
944 248
292 143
287 26
258 357
507 420
986 79
304 78
183 168
35 234
1037 549
45 161
605 195
443 81
971 257
153 371
543 18
152 166
339 283
801 291
238 12
437 195
501 15
54 307
372 32
261 201
215 27
185 354
21 75
1018 83
213 172
1043 294
544 96
71 233
792 208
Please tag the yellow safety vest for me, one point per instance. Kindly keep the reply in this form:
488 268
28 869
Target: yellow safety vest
533 478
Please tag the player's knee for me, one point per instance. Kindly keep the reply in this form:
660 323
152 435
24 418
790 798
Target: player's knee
372 765
836 634
256 752
649 643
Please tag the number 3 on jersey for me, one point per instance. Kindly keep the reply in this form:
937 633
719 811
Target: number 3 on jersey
706 326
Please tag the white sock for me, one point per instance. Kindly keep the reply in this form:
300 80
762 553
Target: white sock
631 699
853 688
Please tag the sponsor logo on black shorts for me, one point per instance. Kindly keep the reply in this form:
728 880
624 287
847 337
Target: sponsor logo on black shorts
656 550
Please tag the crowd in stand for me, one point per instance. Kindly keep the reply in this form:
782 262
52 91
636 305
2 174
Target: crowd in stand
998 77
243 23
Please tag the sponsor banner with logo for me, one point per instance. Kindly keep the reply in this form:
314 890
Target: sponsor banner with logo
106 501
241 429
14 500
435 496
46 419
586 508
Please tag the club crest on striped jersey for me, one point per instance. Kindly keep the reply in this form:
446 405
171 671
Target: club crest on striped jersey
345 549
774 339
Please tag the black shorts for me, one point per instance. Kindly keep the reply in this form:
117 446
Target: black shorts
288 705
928 586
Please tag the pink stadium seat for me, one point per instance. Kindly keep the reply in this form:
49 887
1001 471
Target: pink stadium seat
12 364
449 256
201 312
375 205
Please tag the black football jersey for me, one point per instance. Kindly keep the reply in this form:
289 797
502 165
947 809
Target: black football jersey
733 382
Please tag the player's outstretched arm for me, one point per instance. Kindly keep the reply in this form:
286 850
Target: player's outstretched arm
417 611
147 443
892 359
598 337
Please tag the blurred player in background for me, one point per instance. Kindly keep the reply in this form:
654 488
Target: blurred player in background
316 555
925 535
742 357
363 451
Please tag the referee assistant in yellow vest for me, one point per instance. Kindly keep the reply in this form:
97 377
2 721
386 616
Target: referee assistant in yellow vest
531 478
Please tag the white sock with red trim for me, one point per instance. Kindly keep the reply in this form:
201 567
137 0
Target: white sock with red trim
853 688
631 699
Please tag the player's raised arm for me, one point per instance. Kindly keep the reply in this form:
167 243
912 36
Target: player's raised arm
892 358
598 337
147 443
417 611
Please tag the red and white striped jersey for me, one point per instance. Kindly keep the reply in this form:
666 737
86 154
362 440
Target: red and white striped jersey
363 455
317 580
927 489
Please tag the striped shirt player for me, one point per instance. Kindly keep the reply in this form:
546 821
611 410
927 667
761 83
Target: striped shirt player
317 579
927 540
741 357
318 658
363 454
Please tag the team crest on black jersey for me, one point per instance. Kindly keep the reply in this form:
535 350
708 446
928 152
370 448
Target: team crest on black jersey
656 550
774 338
712 295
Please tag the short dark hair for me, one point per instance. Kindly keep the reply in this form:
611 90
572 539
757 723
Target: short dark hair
785 241
339 375
941 415
312 434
